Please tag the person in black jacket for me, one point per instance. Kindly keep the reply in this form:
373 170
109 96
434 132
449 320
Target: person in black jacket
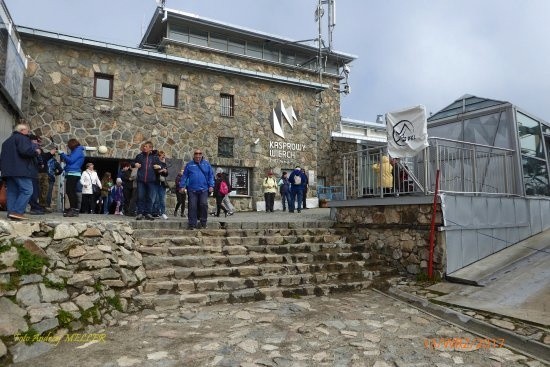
146 180
18 163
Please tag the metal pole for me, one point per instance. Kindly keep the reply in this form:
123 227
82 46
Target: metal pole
432 228
474 169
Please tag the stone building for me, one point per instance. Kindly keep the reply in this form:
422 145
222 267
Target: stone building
12 72
252 101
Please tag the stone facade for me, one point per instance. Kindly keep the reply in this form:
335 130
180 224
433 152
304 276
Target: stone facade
63 106
397 234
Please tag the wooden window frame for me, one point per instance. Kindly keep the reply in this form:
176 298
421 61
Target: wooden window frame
175 89
227 109
111 80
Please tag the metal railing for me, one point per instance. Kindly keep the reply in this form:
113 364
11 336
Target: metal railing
464 168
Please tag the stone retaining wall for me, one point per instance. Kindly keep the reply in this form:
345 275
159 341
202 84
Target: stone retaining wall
397 234
92 271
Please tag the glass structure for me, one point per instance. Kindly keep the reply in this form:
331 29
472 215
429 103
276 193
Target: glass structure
500 124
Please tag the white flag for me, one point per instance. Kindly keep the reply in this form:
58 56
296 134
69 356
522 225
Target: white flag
407 132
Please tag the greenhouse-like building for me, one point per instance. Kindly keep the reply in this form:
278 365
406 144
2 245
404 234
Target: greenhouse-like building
523 138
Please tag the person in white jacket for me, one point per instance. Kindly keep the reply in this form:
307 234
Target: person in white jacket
88 179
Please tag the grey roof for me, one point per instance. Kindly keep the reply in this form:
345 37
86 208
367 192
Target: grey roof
466 103
156 30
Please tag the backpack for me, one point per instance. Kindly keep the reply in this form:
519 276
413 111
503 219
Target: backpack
224 189
298 179
54 168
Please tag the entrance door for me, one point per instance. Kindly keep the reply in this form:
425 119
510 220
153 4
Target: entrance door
102 165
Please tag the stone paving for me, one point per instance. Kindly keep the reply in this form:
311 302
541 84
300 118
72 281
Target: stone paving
360 329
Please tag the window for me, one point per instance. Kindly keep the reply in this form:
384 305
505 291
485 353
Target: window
103 86
225 147
197 37
218 41
169 95
226 105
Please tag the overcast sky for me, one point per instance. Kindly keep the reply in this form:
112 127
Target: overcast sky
409 52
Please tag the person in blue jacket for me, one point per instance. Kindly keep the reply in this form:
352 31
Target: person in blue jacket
298 181
198 182
19 168
73 170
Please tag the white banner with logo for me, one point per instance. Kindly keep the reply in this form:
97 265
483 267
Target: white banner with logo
407 132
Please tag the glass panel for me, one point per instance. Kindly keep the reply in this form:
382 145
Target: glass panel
493 130
236 46
331 68
168 96
198 37
254 49
535 176
239 180
448 131
288 58
529 136
271 54
218 41
103 88
179 33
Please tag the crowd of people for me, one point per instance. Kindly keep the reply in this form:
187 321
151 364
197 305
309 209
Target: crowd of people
293 190
139 188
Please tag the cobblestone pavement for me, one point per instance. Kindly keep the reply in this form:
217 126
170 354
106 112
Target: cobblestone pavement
360 329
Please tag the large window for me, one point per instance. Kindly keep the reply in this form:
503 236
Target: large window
530 136
103 86
169 95
226 105
239 178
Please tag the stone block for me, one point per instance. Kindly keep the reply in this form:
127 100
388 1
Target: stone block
53 295
94 264
157 286
237 260
193 298
64 231
81 279
206 284
108 273
11 318
186 285
182 272
235 250
45 325
9 257
160 273
42 311
28 295
218 297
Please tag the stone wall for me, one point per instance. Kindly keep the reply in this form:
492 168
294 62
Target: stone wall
78 274
396 234
63 107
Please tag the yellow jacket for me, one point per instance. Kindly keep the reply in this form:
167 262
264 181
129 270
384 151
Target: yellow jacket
387 177
269 184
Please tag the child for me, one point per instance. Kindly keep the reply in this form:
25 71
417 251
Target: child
117 196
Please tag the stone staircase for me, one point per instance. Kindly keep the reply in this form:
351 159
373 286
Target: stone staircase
242 262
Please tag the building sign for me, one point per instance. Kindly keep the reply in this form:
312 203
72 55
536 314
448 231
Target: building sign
283 152
407 132
281 114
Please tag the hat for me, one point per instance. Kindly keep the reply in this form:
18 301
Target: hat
119 180
219 170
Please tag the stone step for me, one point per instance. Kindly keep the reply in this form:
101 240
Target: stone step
163 240
173 301
231 224
248 249
213 232
213 261
236 283
180 273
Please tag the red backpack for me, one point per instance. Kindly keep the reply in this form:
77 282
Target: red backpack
224 189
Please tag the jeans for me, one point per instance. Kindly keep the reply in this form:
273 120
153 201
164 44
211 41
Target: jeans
296 196
197 207
106 204
160 202
19 193
285 199
147 194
